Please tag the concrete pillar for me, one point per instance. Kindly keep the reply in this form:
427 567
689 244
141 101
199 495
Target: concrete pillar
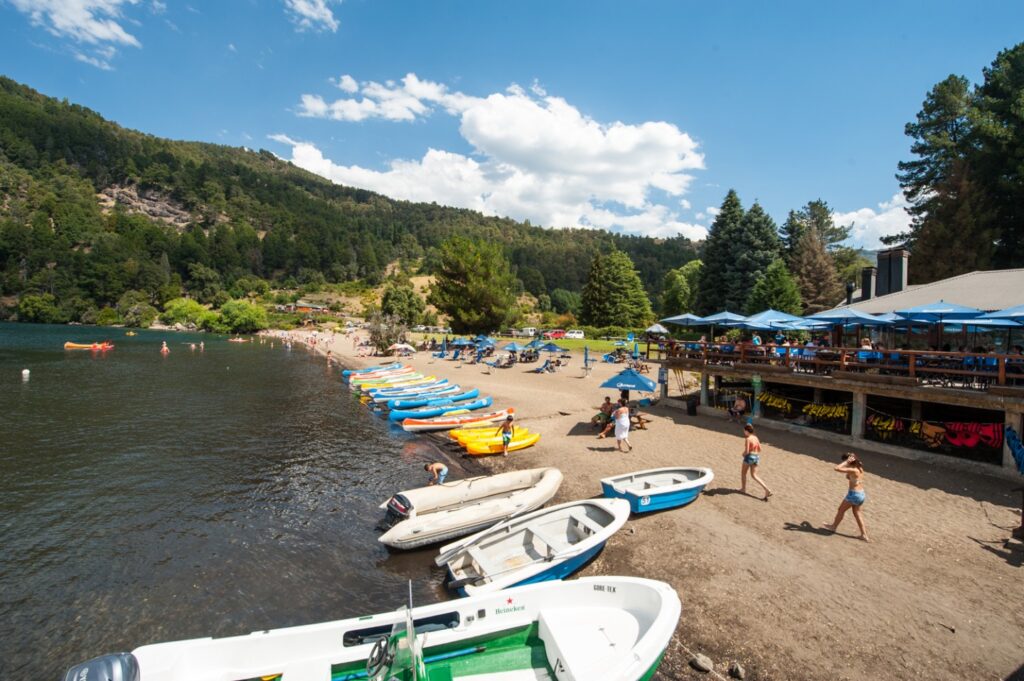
755 408
860 407
704 397
915 410
818 395
1012 419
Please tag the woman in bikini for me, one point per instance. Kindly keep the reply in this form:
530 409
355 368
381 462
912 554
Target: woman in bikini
751 459
855 497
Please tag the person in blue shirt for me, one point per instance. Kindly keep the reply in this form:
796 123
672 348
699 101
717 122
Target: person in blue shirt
756 339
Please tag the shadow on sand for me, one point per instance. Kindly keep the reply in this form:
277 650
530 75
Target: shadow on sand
805 526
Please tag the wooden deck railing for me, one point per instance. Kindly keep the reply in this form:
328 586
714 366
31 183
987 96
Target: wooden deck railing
952 369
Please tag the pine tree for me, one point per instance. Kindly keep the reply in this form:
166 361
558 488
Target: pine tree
815 274
817 214
614 294
675 293
756 247
719 288
473 285
775 290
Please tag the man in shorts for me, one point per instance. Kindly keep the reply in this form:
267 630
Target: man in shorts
438 471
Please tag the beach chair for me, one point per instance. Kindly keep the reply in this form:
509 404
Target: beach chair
456 355
542 368
610 358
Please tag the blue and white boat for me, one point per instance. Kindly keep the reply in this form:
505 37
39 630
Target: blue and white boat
658 488
432 400
551 543
430 412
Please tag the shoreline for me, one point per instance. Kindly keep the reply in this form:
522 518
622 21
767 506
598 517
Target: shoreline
763 584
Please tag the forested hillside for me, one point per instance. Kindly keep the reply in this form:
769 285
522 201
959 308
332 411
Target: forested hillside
90 210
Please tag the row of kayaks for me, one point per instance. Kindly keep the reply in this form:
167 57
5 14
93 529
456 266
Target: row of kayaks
422 403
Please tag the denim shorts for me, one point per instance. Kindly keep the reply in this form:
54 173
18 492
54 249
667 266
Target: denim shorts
442 475
751 459
855 498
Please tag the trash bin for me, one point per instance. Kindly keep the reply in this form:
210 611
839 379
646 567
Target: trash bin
691 407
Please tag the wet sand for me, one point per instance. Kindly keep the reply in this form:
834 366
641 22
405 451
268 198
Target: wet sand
935 595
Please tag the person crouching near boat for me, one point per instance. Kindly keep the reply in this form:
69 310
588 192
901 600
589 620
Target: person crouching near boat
855 496
751 460
438 472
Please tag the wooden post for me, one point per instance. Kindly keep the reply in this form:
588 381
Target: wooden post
860 405
1002 369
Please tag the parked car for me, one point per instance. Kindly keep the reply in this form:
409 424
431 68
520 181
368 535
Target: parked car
419 327
554 334
576 334
529 331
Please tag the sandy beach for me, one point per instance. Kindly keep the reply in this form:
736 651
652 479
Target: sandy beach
935 595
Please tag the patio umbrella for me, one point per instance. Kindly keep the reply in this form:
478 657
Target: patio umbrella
655 328
514 347
534 344
401 346
686 319
846 315
725 317
636 350
551 347
939 311
1016 312
586 357
630 380
766 321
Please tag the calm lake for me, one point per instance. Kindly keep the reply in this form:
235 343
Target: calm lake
147 498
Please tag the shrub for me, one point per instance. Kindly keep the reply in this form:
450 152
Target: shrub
241 316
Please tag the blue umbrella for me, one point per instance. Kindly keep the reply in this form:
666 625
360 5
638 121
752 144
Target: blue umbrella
686 319
586 356
636 350
846 315
723 318
514 347
551 347
534 344
767 320
630 380
939 311
1016 312
461 343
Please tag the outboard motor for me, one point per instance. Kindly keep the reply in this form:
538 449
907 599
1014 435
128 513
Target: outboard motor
115 667
399 509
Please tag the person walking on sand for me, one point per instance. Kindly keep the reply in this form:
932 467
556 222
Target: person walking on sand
621 418
855 496
751 459
508 431
438 472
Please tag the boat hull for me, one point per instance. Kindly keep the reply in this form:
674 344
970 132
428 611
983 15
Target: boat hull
402 414
466 421
484 448
659 497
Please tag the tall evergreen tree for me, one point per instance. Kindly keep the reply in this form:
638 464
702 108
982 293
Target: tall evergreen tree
473 285
614 294
815 274
817 214
1000 156
777 290
756 247
720 288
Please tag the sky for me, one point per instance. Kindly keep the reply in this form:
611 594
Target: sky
636 117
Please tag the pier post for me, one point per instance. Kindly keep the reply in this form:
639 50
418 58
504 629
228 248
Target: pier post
915 410
860 406
704 389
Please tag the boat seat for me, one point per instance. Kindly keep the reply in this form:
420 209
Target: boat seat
580 641
307 670
553 544
584 521
487 568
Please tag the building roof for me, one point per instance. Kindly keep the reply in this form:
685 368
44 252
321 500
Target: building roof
990 290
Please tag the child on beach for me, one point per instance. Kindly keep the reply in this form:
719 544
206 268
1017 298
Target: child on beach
438 472
855 496
751 459
507 431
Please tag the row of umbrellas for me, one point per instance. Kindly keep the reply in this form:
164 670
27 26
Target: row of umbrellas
939 312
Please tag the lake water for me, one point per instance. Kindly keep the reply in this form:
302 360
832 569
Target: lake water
147 498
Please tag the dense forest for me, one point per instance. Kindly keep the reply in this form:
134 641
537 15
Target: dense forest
91 211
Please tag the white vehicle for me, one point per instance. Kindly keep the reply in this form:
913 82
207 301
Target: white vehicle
576 334
529 331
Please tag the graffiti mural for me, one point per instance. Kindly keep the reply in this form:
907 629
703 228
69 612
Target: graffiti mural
975 441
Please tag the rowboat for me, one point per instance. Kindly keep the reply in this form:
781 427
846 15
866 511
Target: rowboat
519 441
429 515
550 543
427 412
449 421
431 400
658 488
607 628
88 346
369 370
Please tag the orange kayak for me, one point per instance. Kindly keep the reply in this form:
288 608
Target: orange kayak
88 346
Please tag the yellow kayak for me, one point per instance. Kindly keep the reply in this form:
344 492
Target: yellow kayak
485 434
479 449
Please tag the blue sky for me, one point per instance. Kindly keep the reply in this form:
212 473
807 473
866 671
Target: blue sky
632 116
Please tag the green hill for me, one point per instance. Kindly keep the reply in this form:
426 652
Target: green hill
90 210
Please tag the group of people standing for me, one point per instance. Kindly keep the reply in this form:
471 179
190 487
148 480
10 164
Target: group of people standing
851 466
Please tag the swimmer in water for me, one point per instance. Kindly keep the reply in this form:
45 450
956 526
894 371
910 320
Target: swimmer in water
164 350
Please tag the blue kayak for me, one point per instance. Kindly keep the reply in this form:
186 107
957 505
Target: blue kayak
431 400
419 388
431 412
412 394
382 367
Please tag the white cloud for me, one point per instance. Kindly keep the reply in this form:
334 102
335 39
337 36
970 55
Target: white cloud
535 156
93 23
685 204
870 224
713 210
232 48
315 15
